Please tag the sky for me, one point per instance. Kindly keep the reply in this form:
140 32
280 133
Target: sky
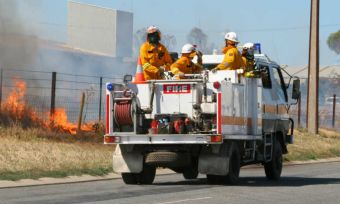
282 27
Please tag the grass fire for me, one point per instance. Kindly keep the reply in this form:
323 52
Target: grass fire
16 110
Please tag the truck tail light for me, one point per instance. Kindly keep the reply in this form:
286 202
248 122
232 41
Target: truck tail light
217 85
216 138
111 139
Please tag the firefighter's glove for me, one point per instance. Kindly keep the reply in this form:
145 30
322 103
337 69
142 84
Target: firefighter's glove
161 71
249 75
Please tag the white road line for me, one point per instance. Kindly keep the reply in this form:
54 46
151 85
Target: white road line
181 201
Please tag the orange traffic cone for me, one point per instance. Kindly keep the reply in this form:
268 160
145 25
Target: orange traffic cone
139 77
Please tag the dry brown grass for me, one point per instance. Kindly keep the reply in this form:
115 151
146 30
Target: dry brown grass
308 146
33 153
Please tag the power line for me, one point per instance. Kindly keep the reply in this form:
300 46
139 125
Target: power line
181 31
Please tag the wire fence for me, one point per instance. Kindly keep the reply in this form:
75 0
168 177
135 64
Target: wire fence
329 116
43 91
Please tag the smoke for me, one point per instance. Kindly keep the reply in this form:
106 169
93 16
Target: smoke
18 42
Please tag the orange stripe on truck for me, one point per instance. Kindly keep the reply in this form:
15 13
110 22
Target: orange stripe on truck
231 120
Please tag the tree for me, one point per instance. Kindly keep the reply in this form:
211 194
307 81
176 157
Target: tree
169 41
333 42
199 38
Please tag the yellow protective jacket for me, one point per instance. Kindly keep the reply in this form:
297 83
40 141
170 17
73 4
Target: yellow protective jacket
248 64
185 66
232 59
152 58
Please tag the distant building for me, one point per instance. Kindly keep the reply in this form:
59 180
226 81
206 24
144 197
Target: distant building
100 30
324 71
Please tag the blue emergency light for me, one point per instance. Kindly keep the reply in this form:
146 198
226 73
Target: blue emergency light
109 87
257 48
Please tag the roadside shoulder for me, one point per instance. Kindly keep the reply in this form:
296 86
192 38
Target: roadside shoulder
88 178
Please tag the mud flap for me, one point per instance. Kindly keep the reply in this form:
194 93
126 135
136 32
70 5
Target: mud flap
127 160
215 164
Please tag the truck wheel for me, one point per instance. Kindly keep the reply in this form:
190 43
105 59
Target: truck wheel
147 176
273 168
129 178
190 173
234 166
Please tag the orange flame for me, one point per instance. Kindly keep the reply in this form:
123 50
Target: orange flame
16 106
59 119
15 103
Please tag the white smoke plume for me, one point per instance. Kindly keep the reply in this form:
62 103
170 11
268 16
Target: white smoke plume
18 42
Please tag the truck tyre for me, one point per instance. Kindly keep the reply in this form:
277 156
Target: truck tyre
147 176
190 172
273 168
167 159
129 178
234 166
162 157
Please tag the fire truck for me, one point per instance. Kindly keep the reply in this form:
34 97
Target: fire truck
209 123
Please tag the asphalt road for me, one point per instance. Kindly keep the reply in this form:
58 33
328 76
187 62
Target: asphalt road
311 183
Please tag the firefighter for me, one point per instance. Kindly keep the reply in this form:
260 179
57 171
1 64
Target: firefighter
232 58
184 65
248 60
154 56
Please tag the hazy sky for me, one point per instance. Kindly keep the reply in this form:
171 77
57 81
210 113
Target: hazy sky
282 27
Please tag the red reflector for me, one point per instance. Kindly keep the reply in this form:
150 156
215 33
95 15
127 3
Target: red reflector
217 85
217 138
107 128
111 139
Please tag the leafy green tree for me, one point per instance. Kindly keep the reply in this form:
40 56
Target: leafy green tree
333 42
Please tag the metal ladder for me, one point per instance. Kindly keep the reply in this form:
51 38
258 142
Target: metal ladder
250 149
268 147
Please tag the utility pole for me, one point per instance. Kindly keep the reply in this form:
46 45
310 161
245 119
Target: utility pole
313 70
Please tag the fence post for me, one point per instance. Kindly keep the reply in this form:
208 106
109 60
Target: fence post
334 104
100 98
1 78
53 88
80 118
299 112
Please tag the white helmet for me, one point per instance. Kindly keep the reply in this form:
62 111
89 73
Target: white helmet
188 48
248 45
152 29
232 36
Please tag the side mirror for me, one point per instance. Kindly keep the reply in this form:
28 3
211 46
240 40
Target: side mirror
127 78
296 89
